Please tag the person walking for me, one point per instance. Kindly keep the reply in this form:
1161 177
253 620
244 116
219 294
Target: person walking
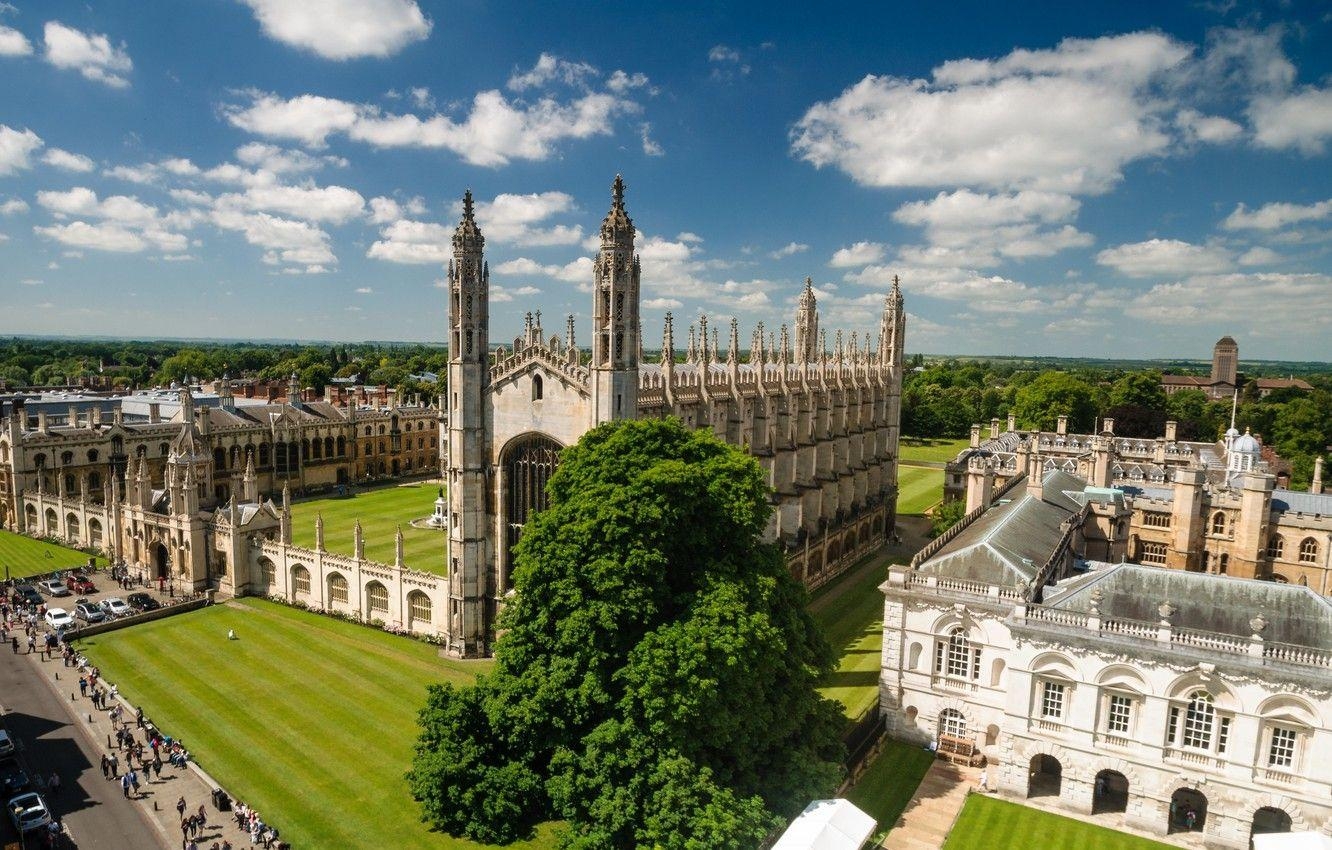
53 784
125 785
983 782
106 767
180 807
115 766
134 781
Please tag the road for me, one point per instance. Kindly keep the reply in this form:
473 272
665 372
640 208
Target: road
95 815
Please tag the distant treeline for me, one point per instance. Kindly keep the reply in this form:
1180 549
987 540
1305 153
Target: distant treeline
942 398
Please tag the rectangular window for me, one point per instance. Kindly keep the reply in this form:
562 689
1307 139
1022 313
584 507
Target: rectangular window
1156 519
1152 553
1052 700
1222 735
939 657
1172 725
1198 729
1120 715
959 662
1281 750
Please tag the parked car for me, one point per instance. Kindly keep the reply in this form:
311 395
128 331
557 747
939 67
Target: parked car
59 618
28 812
53 587
89 612
115 607
28 595
7 745
80 583
13 779
143 602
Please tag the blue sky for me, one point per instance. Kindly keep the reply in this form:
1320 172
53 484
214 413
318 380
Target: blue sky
1073 179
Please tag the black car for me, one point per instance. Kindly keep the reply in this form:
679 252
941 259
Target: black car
12 778
142 602
28 595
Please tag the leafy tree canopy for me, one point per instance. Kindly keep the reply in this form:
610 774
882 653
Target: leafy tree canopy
1053 394
654 678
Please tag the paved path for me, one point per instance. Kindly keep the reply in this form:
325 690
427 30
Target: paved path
41 716
929 816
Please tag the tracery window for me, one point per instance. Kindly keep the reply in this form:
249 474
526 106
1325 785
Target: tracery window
1218 523
1309 551
337 588
377 598
1276 547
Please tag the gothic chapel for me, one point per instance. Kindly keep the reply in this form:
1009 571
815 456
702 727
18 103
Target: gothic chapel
823 424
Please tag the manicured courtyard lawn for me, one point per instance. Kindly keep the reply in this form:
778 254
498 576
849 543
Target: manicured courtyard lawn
1000 825
310 719
381 511
887 786
22 556
849 610
918 488
929 449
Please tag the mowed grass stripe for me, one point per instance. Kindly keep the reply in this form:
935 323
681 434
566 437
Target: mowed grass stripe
1000 825
381 512
24 556
918 488
310 719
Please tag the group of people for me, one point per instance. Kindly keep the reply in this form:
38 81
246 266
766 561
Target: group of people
261 834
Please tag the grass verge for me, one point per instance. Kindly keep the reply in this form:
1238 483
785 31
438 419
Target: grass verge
380 511
889 783
22 556
1000 825
918 488
849 610
929 449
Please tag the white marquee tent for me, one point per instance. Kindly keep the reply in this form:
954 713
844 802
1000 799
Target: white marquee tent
828 825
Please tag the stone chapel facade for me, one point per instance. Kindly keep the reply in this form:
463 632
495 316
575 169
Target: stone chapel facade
823 425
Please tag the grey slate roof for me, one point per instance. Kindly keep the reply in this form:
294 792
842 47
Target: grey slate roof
1205 602
1010 542
1293 501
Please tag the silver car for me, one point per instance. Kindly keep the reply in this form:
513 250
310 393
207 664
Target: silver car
53 587
29 812
116 607
89 612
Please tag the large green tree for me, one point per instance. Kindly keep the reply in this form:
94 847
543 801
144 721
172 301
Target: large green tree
1040 403
655 673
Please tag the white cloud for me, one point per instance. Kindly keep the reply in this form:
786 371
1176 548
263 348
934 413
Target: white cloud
126 223
332 204
513 219
413 242
365 290
343 29
298 244
1277 215
92 55
858 254
621 82
501 294
105 236
722 53
1259 256
972 228
13 43
15 149
1165 257
421 97
549 69
662 304
307 118
1211 129
68 161
13 206
1065 120
650 146
281 160
789 249
1300 120
577 271
1246 298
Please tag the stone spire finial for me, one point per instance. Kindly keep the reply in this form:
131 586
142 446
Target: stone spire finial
319 532
733 344
705 354
467 236
1257 624
617 227
823 344
358 540
668 342
783 352
712 352
397 548
839 353
569 333
691 356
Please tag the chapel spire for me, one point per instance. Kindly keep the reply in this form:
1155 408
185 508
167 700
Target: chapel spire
807 325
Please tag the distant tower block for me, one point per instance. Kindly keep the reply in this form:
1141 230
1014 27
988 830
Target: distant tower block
1225 361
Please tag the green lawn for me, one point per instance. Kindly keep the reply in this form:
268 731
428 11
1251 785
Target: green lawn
887 786
22 556
310 719
381 511
849 610
1000 825
929 449
918 488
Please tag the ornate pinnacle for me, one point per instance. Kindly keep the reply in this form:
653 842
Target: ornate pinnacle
617 192
668 341
469 213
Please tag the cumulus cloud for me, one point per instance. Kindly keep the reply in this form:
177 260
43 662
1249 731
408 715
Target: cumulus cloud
282 160
413 243
1066 119
550 69
789 249
16 146
68 161
1259 256
1194 300
1210 129
501 293
13 206
384 210
512 219
119 223
331 204
495 131
857 254
1165 257
1276 215
343 29
662 304
298 245
577 271
1301 120
14 43
973 228
91 54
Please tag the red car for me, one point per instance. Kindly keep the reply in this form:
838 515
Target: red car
80 583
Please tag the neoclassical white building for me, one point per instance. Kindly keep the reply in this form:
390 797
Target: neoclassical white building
1167 700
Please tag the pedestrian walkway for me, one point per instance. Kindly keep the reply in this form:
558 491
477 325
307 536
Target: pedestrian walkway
157 796
934 807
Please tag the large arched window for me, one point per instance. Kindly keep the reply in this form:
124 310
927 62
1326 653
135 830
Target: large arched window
952 723
337 588
529 462
1276 547
300 579
1308 551
955 655
376 598
1196 724
1218 523
267 571
418 609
